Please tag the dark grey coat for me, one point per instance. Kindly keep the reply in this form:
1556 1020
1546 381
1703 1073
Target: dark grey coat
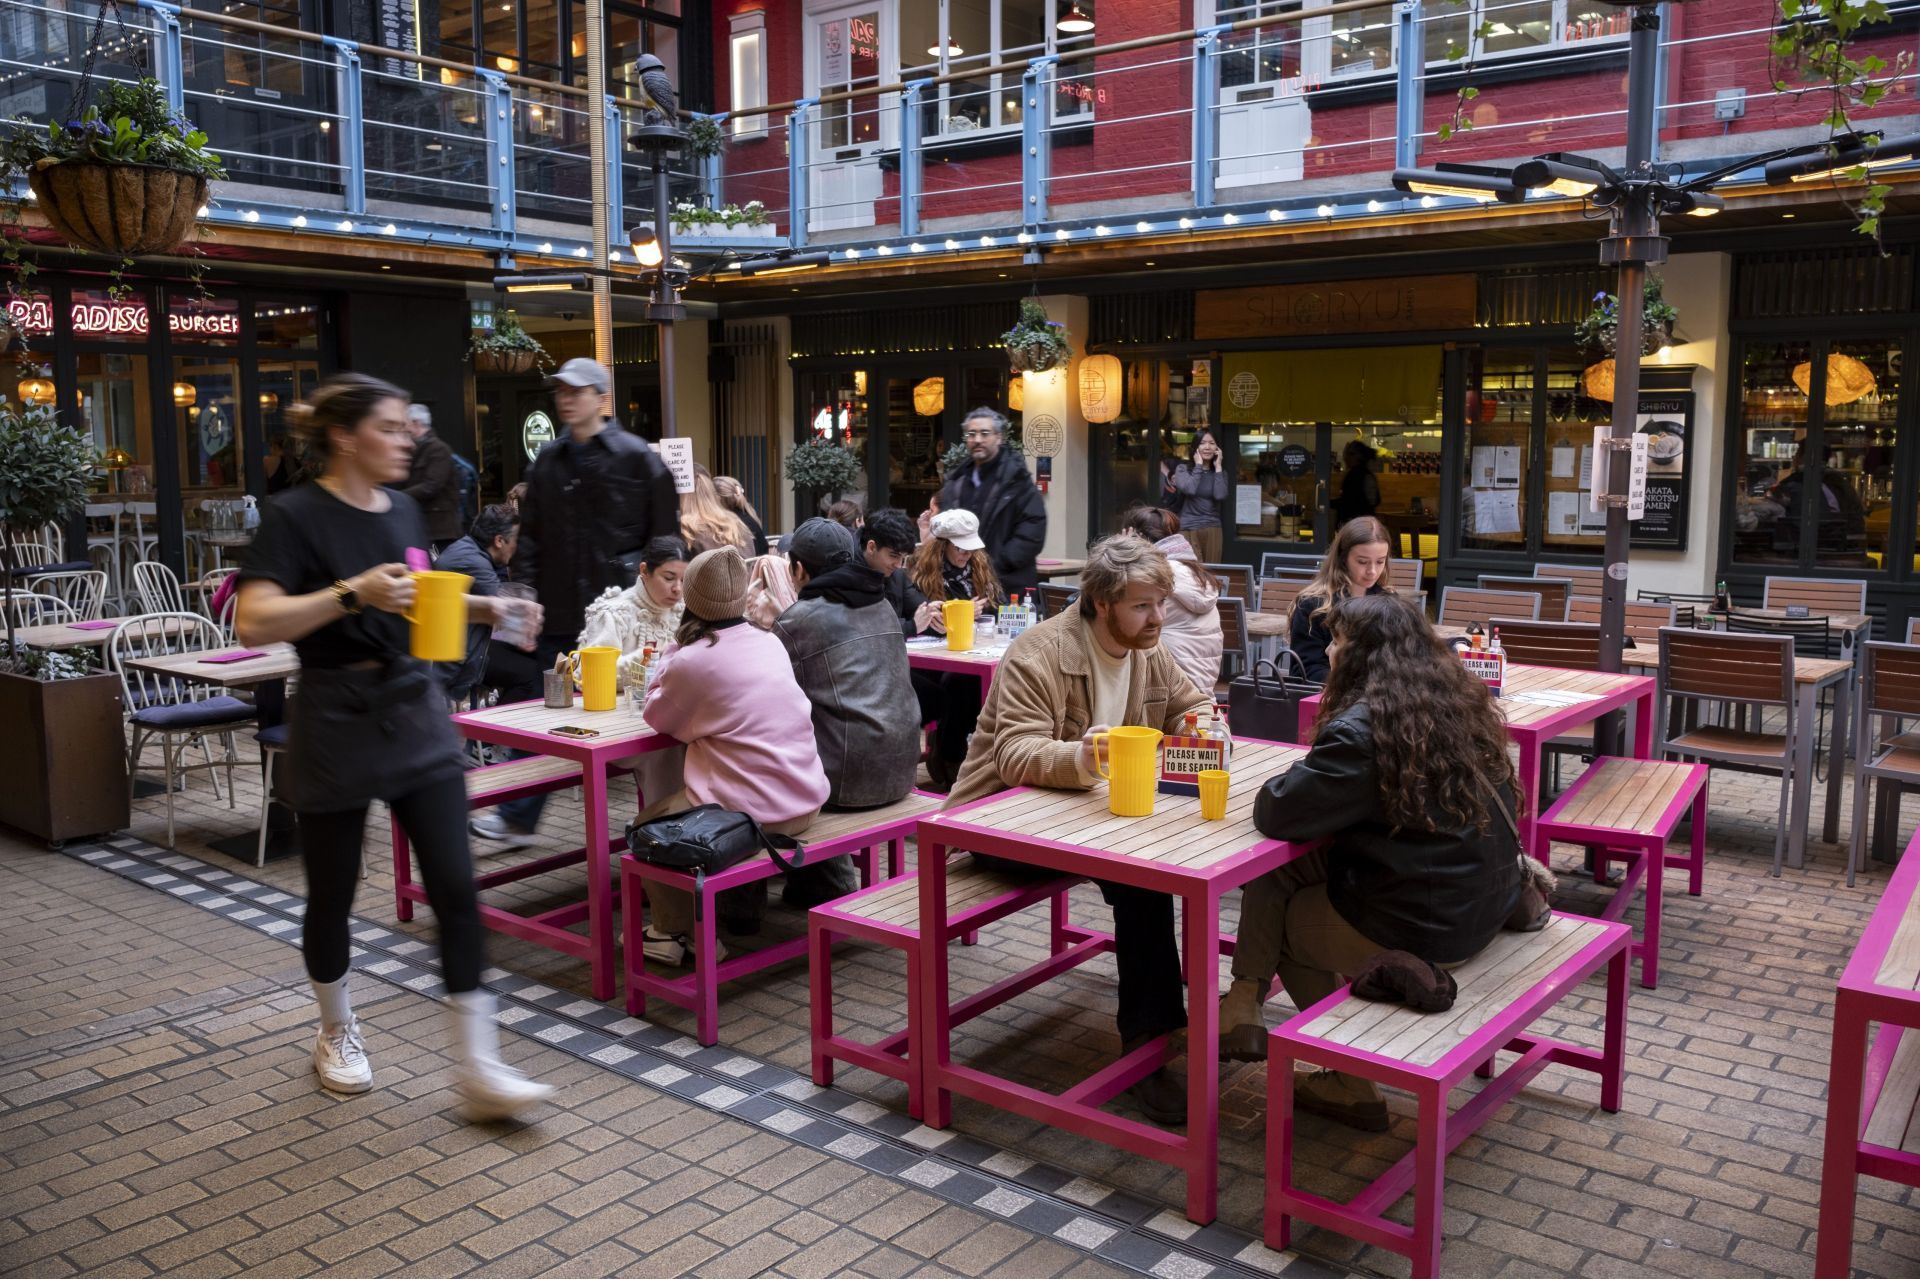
852 666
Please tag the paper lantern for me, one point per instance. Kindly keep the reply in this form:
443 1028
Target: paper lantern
859 382
269 401
184 395
1101 388
36 390
930 396
1017 393
1597 381
1847 379
116 459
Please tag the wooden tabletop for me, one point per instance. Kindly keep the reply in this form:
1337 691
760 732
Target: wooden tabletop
1060 568
1806 670
621 724
60 636
1174 835
1838 621
1533 693
277 661
946 657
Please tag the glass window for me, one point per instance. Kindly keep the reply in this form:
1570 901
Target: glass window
1365 42
1263 55
915 408
206 407
1361 42
1862 396
1515 25
116 408
455 38
1499 422
1571 416
1773 436
542 52
848 52
1279 457
747 72
838 411
287 323
198 321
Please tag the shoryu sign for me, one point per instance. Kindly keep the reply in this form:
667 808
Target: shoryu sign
536 431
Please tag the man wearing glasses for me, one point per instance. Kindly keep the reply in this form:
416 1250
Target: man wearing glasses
997 487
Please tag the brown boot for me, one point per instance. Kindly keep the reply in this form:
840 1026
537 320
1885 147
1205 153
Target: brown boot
1243 1035
1343 1098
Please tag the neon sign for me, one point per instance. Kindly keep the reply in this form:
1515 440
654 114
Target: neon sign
121 319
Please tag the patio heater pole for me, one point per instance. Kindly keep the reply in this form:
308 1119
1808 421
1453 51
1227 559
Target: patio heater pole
597 180
1634 242
665 308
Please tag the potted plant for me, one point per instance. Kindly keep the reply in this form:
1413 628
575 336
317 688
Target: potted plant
507 348
705 138
727 220
126 178
822 467
1036 344
1600 327
72 781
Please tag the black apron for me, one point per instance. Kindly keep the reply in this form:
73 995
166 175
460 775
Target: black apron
355 736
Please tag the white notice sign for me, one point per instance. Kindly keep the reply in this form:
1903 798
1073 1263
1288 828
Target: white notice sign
677 453
1637 478
1246 504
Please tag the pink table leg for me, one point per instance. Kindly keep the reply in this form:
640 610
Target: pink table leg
1200 920
934 1044
1643 726
1529 814
593 798
1839 1171
1279 1225
1696 872
1613 1048
1655 880
1429 1182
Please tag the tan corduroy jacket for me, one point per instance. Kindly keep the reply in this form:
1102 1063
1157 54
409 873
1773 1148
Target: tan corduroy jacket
1030 728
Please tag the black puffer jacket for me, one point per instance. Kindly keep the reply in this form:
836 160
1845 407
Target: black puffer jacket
588 511
1441 894
1012 511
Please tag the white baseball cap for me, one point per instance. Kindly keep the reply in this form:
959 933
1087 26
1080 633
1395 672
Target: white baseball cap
962 528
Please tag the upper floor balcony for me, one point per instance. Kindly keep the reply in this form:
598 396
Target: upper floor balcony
1277 111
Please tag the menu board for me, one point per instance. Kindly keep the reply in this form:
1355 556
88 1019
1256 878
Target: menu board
1666 420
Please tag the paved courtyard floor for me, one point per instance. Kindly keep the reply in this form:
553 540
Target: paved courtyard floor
158 1114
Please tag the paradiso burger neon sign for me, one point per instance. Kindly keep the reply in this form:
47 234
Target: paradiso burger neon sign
121 319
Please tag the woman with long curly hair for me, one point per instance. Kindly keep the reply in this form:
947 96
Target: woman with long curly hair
1356 564
952 564
1408 781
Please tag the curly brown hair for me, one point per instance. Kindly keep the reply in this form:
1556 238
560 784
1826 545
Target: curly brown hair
929 564
1438 743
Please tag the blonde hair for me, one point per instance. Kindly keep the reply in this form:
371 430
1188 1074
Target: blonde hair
1117 562
732 495
705 521
1331 584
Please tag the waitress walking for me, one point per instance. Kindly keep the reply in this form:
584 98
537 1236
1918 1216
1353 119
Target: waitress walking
328 574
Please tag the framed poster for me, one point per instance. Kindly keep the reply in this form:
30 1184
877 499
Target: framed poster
1666 419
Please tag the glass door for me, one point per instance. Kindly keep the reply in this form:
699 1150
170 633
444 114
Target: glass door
843 175
910 470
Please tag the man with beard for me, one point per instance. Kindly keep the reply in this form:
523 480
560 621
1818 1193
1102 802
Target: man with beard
1061 682
996 486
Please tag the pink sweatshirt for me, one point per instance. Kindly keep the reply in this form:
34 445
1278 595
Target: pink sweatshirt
747 726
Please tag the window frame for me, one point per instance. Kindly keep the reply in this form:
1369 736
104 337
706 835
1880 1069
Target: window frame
744 28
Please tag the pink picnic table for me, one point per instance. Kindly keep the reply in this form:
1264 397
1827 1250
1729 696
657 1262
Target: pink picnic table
529 726
980 660
1539 703
1872 1095
1173 851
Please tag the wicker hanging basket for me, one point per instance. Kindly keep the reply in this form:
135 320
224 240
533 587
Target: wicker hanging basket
122 209
504 361
6 329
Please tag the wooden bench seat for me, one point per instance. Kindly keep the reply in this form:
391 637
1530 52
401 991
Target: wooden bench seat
889 914
860 832
1627 810
1502 990
1873 1094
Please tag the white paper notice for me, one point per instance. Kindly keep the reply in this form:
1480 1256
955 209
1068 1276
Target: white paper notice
1485 466
1563 461
1586 464
1506 466
1637 479
1496 511
1593 516
1246 503
1563 512
677 452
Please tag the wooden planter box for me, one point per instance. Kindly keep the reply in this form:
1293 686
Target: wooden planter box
63 751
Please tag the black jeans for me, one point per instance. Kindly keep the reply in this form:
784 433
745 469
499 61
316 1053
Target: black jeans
523 814
435 819
953 700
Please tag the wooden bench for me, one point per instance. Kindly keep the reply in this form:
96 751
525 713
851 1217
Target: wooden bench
860 832
1503 989
494 784
1626 810
1873 1097
889 913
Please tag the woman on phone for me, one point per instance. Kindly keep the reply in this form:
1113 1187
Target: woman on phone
1201 486
1356 565
328 573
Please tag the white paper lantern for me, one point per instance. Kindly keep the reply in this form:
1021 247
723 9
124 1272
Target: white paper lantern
1100 388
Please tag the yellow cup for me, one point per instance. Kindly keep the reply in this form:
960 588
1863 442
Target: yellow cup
1130 763
959 619
439 616
1213 794
594 669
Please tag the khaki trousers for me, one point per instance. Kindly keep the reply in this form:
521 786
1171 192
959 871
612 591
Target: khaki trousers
1288 928
672 908
1206 543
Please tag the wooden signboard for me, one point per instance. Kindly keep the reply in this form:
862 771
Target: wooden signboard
1400 304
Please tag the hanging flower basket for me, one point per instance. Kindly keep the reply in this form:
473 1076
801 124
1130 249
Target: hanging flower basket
1652 338
1036 344
6 328
504 361
507 348
1599 329
126 210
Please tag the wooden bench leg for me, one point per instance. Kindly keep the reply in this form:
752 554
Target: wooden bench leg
633 890
1429 1183
1697 868
916 1080
1839 1169
820 997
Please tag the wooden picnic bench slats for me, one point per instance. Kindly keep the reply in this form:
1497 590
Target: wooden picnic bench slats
898 903
495 778
1900 966
1626 794
1893 1122
834 824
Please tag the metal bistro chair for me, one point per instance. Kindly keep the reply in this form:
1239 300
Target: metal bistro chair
1588 580
30 608
1460 605
1553 592
1235 579
104 540
157 589
178 712
1054 599
1688 610
1271 562
1883 752
1710 668
83 590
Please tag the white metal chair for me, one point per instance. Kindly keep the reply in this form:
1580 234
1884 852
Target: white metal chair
105 544
84 590
146 529
180 713
30 608
157 589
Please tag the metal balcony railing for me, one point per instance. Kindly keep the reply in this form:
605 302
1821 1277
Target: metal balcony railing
1290 114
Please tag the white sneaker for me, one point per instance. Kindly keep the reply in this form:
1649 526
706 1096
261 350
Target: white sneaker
674 951
494 1090
340 1059
493 827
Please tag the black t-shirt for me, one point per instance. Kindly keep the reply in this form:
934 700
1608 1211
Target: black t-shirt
309 539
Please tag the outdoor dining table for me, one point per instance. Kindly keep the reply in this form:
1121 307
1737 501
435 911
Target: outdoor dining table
932 654
1851 628
1173 851
528 726
63 636
1539 703
1060 568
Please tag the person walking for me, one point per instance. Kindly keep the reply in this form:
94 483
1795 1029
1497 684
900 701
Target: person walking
1201 486
706 522
327 573
432 481
997 487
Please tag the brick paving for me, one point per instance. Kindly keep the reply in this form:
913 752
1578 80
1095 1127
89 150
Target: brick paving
161 1116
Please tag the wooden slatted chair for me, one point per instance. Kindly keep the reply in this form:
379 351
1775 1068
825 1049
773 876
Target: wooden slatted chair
1588 580
1405 575
1913 630
1055 599
1553 592
1277 594
1235 580
1236 654
1569 645
1754 671
1644 621
1882 751
1271 562
1460 605
1819 594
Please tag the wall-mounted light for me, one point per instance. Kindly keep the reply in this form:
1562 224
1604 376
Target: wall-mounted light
1075 21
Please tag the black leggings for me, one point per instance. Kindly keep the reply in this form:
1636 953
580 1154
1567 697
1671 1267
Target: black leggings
435 819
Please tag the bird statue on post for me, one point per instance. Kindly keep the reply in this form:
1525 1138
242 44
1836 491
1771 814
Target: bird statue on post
659 87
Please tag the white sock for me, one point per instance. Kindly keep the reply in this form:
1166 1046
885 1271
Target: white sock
476 1032
336 1008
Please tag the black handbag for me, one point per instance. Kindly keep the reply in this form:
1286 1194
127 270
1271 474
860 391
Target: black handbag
1266 703
707 840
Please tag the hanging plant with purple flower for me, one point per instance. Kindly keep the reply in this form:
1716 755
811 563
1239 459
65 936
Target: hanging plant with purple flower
1036 344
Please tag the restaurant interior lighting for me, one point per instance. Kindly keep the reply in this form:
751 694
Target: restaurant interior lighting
784 263
1469 182
184 395
953 49
1861 151
36 390
550 282
645 243
1075 21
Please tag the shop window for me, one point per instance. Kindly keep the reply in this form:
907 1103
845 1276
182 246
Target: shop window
747 72
838 411
1772 437
1499 421
203 321
454 40
287 323
115 412
205 396
1571 525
